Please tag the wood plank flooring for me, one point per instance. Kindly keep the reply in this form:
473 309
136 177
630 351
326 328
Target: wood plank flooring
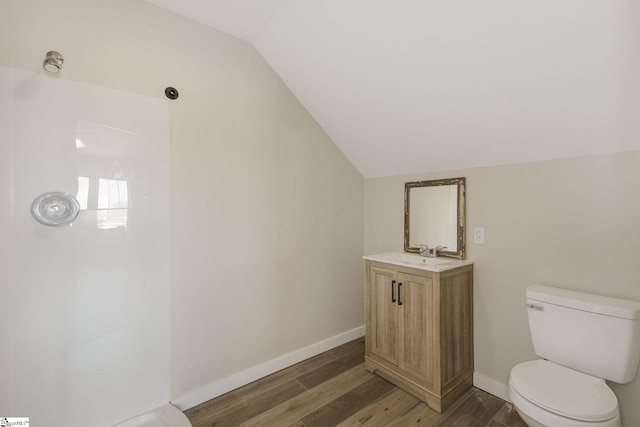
334 389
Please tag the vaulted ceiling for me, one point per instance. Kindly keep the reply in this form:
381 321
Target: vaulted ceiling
410 86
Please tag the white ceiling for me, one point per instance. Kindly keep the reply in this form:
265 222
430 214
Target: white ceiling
410 86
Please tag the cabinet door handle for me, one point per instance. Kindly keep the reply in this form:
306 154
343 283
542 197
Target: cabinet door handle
399 294
393 295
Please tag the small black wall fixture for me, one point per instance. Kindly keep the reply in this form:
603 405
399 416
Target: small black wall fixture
171 92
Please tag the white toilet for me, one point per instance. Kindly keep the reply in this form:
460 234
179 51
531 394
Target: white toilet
583 340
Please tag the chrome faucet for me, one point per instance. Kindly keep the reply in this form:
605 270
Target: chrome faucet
426 251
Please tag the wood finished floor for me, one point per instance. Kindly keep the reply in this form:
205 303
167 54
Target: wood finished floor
334 389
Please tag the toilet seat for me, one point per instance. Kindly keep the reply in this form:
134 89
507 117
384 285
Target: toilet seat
564 392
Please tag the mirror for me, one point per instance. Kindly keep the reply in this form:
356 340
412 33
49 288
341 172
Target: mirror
434 216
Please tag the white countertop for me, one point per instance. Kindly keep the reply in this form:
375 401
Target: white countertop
408 259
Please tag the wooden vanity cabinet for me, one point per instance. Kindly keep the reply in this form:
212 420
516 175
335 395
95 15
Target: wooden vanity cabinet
419 330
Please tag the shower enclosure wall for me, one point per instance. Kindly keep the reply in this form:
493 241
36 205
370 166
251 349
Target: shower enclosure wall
84 323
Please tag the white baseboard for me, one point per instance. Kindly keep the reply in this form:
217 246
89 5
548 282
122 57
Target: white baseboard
224 385
491 386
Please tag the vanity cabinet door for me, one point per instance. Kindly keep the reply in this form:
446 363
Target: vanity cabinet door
415 329
383 313
419 330
401 321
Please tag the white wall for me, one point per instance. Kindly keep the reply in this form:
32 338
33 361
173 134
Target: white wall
266 213
569 223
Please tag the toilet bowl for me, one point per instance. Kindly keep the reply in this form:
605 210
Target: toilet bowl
549 395
582 340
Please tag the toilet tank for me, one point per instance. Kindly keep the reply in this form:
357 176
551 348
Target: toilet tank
597 335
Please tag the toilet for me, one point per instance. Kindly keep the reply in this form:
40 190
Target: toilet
582 340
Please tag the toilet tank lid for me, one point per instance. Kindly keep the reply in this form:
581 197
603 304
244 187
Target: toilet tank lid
599 304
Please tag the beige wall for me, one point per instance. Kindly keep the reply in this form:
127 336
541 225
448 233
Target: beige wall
266 212
570 223
5 249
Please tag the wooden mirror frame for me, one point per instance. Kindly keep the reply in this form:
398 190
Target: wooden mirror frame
461 183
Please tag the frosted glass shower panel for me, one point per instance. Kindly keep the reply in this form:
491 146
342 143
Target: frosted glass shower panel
90 300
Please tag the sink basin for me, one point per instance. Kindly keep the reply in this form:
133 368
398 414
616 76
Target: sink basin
409 258
412 260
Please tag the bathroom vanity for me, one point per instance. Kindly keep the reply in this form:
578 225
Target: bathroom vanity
419 324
